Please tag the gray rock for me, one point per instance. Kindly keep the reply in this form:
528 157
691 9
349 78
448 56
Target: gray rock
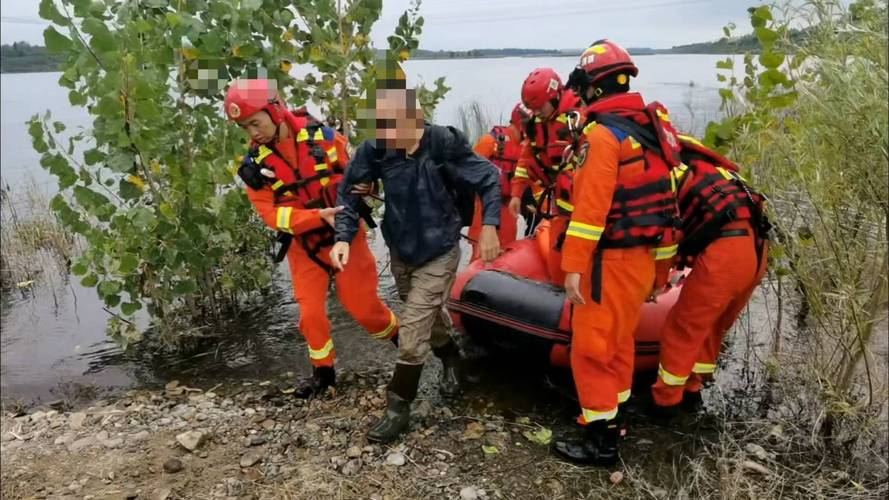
64 439
233 487
396 458
161 494
757 451
352 467
469 493
113 443
254 440
252 457
82 444
191 440
139 436
353 452
755 467
173 466
76 420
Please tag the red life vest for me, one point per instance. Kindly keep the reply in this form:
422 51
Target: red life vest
712 194
506 155
643 209
312 183
548 141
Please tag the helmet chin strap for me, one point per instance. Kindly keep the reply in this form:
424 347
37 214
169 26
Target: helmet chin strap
597 93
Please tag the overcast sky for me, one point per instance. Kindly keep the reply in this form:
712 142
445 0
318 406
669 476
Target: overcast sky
475 24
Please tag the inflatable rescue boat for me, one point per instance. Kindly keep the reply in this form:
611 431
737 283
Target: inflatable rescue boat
511 304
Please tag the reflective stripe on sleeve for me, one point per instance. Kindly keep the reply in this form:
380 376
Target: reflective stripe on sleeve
564 205
283 219
584 231
521 172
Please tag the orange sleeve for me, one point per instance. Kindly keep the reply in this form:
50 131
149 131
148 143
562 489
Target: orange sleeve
287 219
342 149
521 179
486 146
594 188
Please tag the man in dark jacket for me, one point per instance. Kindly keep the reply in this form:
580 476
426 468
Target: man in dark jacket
422 167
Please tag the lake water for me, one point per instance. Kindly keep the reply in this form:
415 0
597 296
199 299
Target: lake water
53 334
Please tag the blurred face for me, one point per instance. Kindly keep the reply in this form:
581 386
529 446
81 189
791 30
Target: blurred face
260 127
544 111
396 119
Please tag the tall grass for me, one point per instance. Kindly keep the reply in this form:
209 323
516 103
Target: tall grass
34 245
475 120
824 162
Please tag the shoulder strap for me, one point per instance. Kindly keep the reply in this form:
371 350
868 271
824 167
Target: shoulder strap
646 137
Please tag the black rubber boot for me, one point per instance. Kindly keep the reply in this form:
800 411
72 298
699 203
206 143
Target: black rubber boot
322 378
451 369
662 415
597 447
402 391
692 402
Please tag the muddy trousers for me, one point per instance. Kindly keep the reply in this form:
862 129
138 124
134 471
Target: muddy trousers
506 232
424 289
715 293
603 332
356 288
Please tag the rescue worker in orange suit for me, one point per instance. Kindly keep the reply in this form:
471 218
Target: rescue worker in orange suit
292 172
724 240
502 146
556 113
618 245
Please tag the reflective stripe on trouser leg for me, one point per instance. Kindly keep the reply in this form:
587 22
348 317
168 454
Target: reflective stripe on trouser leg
669 378
390 329
704 368
356 287
623 396
325 353
602 342
588 416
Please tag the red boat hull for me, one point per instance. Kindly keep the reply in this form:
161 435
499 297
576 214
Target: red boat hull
513 297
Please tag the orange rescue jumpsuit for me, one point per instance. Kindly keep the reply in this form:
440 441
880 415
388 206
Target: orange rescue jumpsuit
603 342
486 147
557 223
356 285
721 282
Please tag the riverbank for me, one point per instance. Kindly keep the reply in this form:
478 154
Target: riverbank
251 439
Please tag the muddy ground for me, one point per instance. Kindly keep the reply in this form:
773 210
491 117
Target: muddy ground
253 440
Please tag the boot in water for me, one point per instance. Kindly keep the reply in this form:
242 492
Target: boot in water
597 447
402 391
322 378
451 369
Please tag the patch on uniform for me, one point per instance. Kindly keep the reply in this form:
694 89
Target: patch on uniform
553 84
233 110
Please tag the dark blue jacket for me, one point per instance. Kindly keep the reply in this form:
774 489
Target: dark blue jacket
421 220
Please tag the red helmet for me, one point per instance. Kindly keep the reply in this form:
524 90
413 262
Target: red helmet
604 58
519 114
246 97
541 86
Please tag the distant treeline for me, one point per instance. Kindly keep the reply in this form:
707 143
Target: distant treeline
22 57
